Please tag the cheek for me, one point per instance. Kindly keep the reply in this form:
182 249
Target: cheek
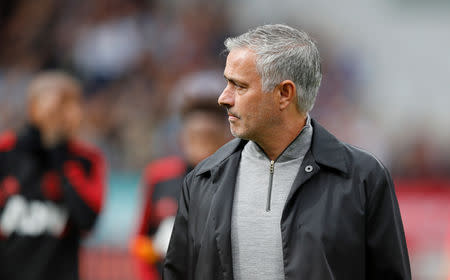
72 119
247 108
255 111
74 114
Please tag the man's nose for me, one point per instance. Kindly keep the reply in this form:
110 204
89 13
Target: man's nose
226 98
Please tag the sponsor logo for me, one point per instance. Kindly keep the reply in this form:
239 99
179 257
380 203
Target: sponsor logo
32 218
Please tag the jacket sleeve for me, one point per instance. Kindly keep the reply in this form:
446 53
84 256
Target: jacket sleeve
82 189
178 254
387 254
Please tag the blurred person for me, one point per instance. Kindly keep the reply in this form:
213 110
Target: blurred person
203 130
51 185
285 199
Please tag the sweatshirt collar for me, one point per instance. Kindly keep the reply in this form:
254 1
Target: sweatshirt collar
297 148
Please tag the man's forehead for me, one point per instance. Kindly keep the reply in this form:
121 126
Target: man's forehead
240 61
241 55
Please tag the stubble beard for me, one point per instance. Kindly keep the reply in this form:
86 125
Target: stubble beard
244 133
235 133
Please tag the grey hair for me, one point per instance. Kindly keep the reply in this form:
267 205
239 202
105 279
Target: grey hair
284 53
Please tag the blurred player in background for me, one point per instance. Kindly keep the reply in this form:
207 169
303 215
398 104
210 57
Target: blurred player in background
204 129
51 185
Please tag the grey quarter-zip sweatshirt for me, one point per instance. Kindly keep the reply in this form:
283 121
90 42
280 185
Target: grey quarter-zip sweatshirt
262 187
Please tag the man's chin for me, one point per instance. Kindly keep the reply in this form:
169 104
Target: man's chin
240 135
235 134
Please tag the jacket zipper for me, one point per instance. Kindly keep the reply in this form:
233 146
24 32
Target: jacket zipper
269 194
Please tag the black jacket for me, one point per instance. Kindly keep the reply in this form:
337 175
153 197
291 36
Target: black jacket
341 220
48 199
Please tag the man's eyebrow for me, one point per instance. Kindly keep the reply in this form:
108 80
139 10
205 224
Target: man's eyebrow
234 81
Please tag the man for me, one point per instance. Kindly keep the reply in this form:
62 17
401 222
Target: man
203 130
287 200
51 185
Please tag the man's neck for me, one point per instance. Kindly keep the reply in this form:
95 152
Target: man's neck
275 143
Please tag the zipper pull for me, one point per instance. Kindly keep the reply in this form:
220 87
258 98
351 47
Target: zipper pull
269 192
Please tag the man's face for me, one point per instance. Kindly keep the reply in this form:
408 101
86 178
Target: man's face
72 115
202 134
57 114
252 113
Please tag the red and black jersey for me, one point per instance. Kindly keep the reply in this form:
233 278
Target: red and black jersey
48 199
162 181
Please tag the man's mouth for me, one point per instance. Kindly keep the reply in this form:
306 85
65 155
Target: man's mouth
232 116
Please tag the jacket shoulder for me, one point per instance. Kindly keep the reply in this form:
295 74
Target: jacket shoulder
219 156
332 152
84 148
363 161
87 152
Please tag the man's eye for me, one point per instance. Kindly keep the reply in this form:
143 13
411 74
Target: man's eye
236 85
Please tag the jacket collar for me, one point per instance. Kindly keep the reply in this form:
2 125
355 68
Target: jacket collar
326 149
235 145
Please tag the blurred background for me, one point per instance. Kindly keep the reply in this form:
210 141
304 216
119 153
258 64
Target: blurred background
385 88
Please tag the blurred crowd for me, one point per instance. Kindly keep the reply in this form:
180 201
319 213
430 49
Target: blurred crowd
132 58
128 55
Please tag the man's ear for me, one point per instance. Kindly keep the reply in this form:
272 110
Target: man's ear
288 94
